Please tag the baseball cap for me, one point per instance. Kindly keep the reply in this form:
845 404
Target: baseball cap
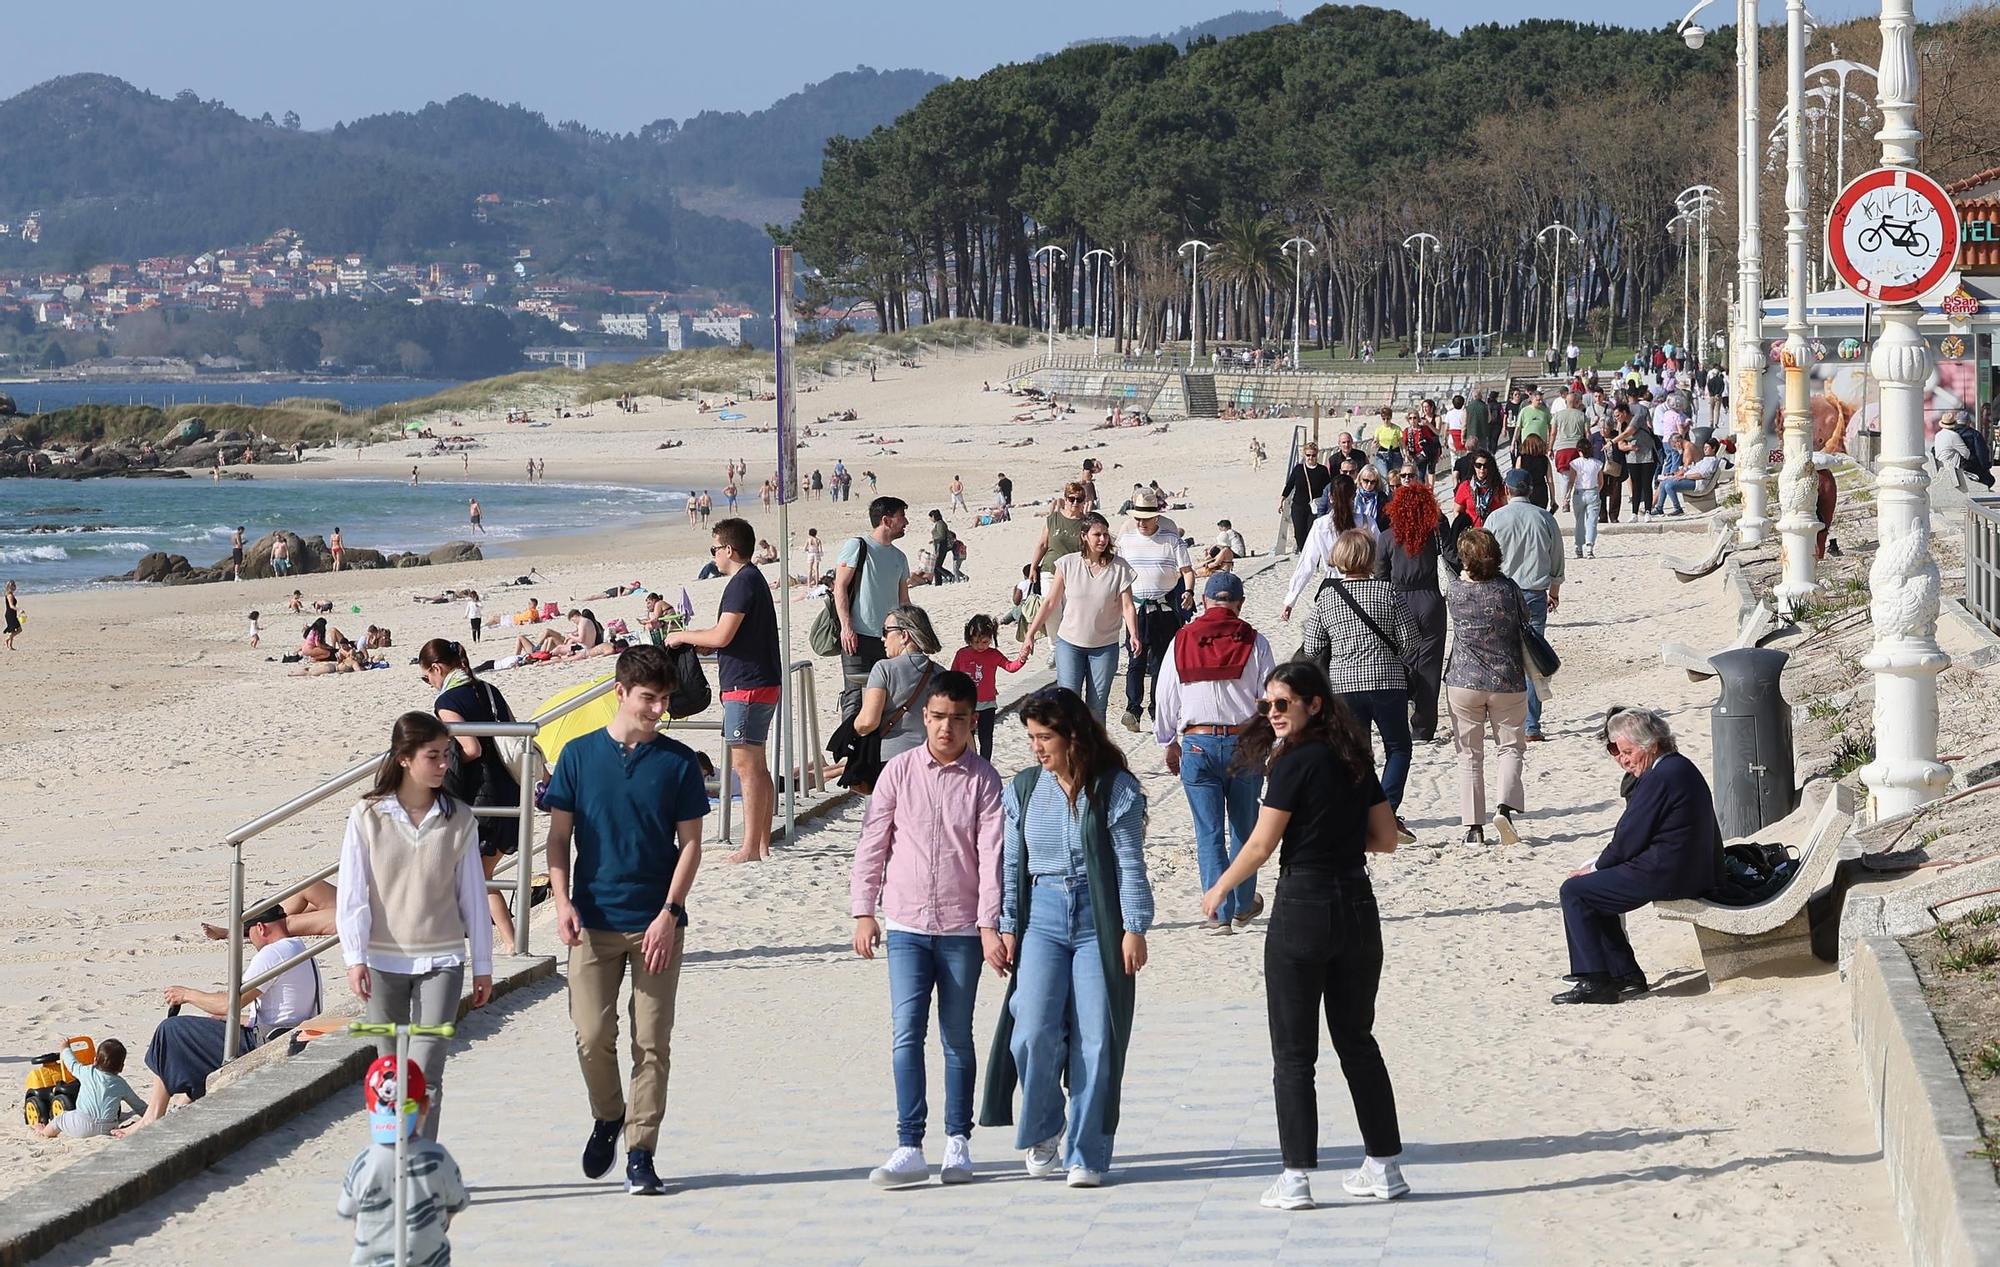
1518 480
1226 586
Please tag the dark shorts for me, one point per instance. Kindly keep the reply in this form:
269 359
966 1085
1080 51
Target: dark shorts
185 1050
236 554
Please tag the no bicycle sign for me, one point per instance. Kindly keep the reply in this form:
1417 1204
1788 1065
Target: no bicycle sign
1893 235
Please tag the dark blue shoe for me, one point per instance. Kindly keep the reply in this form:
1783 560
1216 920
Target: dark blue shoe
601 1147
640 1179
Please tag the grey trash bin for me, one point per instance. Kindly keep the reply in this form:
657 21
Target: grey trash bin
1752 727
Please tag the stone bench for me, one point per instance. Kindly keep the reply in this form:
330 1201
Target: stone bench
1705 495
1737 939
1679 655
1693 571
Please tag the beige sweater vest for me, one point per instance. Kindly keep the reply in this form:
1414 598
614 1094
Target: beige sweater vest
413 903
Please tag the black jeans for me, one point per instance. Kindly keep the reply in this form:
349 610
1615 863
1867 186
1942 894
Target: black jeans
868 652
1159 621
1324 950
1427 607
984 728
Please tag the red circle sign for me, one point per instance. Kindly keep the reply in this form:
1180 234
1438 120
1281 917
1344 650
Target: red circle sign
1893 235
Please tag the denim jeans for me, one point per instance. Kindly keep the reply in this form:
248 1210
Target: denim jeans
1670 493
1537 602
1062 1024
1389 713
1585 505
1324 951
1214 794
1088 671
1159 621
917 964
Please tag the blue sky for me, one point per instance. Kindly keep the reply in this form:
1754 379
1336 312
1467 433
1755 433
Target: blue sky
617 64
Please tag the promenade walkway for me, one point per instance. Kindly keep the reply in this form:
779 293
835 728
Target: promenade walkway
1699 1125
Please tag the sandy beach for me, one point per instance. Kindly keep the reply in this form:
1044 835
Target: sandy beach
142 727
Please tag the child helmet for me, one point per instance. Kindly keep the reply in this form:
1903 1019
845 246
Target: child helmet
394 1100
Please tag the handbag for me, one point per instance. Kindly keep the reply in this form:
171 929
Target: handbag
824 637
1536 652
1407 659
861 753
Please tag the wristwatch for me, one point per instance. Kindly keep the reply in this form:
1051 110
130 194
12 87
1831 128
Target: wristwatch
679 913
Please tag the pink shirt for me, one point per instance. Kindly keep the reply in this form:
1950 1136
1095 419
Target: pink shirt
983 667
929 853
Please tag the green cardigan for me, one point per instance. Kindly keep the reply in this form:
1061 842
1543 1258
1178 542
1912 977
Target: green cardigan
996 1107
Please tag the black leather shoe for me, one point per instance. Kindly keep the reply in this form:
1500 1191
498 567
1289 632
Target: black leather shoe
602 1146
1631 987
1588 992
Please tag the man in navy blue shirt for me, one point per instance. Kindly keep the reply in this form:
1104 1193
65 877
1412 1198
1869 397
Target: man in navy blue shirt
744 638
633 800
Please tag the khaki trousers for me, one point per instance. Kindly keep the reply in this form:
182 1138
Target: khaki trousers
1470 713
597 965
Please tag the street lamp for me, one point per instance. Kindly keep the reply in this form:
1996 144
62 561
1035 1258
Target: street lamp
1097 294
1555 300
1752 458
1296 245
1798 484
1194 295
1903 582
1700 201
1421 239
1049 313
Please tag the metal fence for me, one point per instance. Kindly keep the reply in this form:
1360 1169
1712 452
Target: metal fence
1982 560
1468 369
801 762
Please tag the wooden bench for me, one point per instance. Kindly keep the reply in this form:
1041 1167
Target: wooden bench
1738 939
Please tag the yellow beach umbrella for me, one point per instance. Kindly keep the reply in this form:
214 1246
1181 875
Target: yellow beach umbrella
592 716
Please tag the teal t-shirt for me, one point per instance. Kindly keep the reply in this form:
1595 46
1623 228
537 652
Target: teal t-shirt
881 582
627 806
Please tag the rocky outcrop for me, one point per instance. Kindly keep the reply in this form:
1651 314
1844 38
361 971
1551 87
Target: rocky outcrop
455 552
307 554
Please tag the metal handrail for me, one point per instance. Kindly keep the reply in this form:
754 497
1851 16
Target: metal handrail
810 768
1982 560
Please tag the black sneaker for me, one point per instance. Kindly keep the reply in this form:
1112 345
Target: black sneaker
640 1179
601 1147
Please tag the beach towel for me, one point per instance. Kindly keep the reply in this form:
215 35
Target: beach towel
730 415
686 605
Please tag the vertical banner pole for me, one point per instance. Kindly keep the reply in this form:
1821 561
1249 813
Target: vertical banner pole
784 335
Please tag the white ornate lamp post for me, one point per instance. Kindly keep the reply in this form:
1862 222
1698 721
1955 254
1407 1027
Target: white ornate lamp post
1698 201
1685 223
1555 300
1798 483
1049 313
1097 294
1195 333
1299 248
1903 582
1421 239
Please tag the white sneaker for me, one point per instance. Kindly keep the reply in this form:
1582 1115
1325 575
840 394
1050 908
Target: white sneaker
957 1166
1383 1181
1045 1158
906 1168
1286 1193
1082 1178
1590 552
1503 826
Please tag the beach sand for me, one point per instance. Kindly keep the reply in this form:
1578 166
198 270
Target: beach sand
144 728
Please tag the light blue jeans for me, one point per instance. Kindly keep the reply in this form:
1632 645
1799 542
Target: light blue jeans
1224 806
919 963
1585 504
1062 1024
1088 671
1537 603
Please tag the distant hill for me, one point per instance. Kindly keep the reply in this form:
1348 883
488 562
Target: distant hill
1241 22
118 173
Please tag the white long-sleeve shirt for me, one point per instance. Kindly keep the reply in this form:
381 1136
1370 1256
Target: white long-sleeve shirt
1178 704
1312 559
354 919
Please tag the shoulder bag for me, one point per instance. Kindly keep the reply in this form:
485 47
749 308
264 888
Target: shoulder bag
1407 659
824 636
862 754
1536 653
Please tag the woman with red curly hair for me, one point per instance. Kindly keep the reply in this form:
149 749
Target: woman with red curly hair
1417 537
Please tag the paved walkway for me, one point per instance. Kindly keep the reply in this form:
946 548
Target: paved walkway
1698 1125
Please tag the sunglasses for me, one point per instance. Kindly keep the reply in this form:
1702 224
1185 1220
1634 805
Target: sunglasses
1269 707
895 629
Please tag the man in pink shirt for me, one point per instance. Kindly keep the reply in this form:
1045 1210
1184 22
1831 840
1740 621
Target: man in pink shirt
929 859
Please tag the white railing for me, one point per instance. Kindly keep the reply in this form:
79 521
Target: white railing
800 759
1982 560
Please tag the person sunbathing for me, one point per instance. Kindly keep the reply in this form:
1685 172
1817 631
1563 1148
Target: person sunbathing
308 913
615 591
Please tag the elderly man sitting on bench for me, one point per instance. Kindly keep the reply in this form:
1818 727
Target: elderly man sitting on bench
1666 845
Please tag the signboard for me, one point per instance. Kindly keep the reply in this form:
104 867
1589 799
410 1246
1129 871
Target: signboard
1893 235
784 339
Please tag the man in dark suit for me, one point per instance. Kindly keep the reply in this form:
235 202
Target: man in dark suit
1666 845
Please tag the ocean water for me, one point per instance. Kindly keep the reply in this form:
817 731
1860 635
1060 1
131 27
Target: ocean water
64 534
354 394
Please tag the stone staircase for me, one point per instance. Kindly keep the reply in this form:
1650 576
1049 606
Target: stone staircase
1199 392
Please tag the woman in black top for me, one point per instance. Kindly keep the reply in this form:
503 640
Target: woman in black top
1410 548
1303 487
477 775
1324 950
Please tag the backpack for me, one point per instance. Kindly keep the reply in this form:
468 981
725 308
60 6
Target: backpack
1981 462
1425 441
691 694
1753 873
50 1091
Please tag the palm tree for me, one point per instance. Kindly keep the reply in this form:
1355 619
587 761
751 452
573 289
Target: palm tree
1249 252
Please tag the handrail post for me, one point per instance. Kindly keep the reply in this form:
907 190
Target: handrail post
722 772
524 851
232 1028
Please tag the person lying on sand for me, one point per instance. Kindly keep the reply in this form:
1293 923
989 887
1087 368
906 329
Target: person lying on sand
308 913
616 591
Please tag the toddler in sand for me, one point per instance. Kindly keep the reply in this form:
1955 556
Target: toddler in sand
102 1095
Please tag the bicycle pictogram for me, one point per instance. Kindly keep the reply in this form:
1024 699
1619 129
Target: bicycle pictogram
1901 233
